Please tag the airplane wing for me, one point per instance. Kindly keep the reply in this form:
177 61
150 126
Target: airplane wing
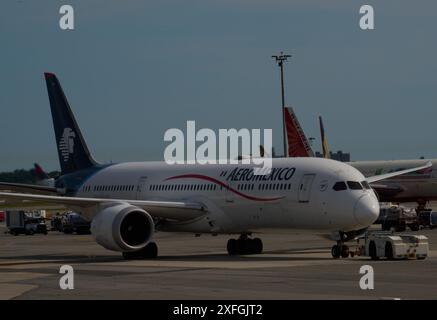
176 210
396 173
27 188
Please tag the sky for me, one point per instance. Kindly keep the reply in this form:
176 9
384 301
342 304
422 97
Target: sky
133 69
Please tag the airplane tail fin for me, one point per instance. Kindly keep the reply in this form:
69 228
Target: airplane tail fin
297 142
72 150
40 173
325 147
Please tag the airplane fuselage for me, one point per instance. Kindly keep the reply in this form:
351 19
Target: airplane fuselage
297 194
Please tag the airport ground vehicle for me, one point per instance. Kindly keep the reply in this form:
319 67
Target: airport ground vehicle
427 218
397 218
2 216
388 245
56 222
74 223
393 246
21 222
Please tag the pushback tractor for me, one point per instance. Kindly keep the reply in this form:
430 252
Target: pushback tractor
388 245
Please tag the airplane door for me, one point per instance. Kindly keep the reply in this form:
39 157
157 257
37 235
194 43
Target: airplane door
305 187
141 187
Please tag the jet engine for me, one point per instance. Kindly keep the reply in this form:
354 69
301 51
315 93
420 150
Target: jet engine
122 227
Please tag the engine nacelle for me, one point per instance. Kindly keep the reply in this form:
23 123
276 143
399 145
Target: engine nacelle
122 227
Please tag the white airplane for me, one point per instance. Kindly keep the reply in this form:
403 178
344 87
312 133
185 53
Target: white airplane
127 202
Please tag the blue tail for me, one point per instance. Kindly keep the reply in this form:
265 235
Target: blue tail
72 149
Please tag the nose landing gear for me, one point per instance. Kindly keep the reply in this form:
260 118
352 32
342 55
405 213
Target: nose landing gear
244 245
340 250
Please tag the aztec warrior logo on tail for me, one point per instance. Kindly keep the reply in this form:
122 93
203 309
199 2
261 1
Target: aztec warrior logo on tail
66 143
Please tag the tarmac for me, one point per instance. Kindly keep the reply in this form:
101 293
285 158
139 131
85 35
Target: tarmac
293 266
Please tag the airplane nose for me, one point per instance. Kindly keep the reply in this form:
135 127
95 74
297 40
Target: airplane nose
366 210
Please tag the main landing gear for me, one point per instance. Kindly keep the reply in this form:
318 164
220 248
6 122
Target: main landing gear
244 245
150 251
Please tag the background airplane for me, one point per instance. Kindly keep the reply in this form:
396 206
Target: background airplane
44 184
297 142
418 186
42 178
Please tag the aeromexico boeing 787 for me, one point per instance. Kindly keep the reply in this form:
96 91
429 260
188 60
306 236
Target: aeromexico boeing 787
128 202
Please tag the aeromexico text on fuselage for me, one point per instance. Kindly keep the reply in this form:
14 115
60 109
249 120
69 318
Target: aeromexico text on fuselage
72 182
248 174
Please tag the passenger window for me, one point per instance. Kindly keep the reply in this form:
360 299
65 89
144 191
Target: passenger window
354 185
339 186
366 185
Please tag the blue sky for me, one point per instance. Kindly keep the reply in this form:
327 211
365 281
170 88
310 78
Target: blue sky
133 69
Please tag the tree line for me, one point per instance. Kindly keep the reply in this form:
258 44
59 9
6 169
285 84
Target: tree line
23 176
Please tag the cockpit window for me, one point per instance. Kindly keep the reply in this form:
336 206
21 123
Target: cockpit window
339 186
366 185
354 185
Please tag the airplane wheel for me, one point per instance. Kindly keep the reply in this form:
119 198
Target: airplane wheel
336 251
258 245
344 251
249 247
232 247
242 246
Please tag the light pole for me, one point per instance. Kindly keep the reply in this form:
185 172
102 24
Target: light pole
280 60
